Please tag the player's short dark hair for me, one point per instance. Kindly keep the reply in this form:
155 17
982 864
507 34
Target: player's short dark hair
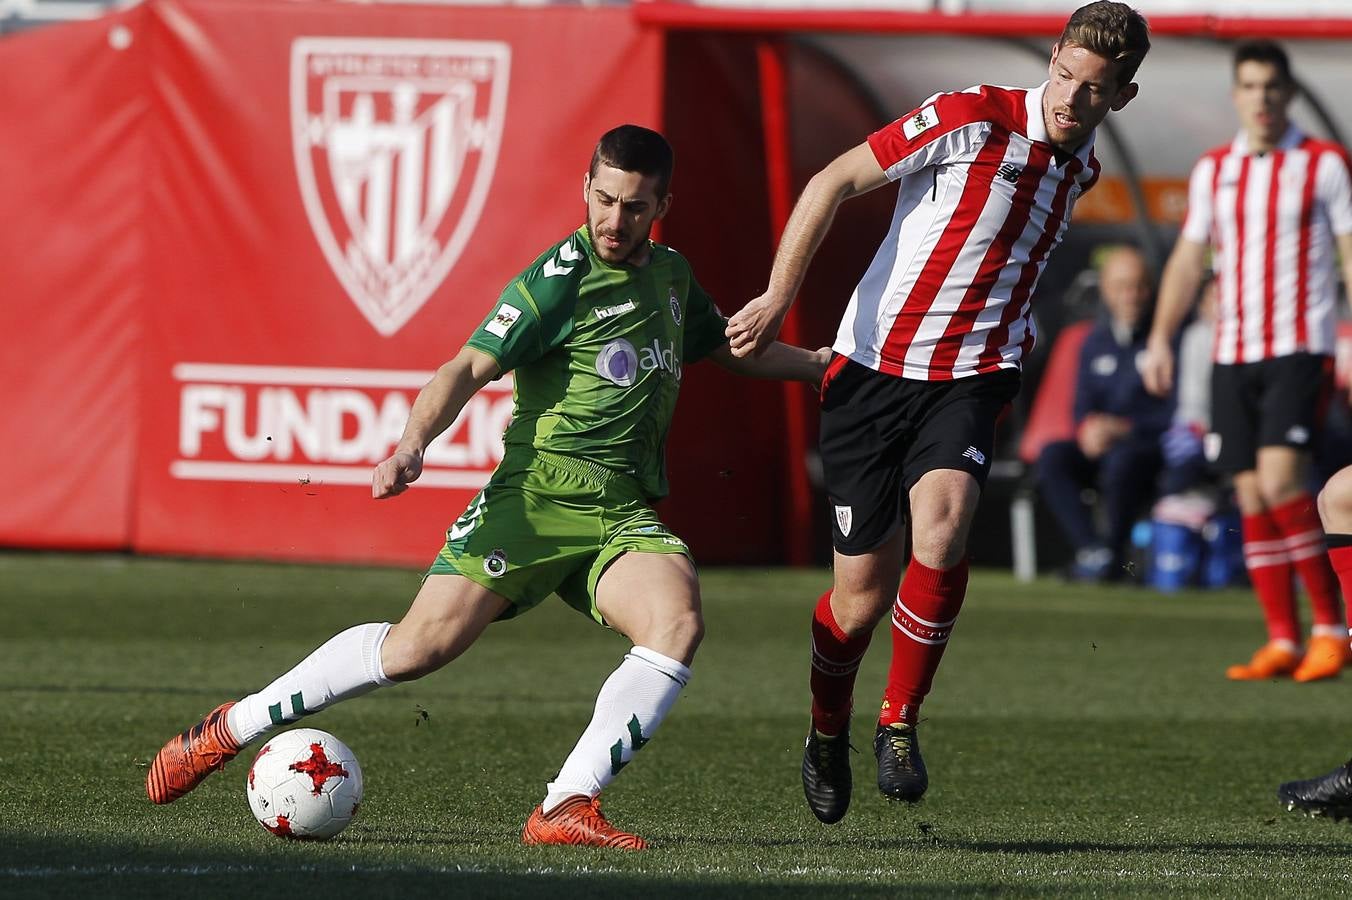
633 148
1112 30
1263 51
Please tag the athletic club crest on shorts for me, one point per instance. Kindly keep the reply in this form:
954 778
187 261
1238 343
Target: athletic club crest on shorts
395 142
845 519
495 563
675 307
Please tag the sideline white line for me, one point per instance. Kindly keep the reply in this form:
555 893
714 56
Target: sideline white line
229 869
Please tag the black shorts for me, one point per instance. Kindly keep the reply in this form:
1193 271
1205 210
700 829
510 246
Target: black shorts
1273 403
881 433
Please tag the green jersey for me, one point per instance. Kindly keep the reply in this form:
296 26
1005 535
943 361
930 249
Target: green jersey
597 351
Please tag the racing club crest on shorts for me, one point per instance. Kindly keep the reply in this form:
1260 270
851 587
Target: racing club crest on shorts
495 563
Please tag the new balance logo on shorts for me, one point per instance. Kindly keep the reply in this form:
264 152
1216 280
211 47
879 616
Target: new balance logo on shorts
975 456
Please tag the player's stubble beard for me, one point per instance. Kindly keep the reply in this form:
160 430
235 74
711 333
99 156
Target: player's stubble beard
631 251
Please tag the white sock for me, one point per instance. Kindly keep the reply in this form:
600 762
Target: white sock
348 665
632 703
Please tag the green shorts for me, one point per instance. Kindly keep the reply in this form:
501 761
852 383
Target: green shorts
547 523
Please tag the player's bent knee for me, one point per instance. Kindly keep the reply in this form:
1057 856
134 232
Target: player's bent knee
857 612
677 635
1335 503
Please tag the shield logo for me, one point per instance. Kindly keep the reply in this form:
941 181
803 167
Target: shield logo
395 142
844 519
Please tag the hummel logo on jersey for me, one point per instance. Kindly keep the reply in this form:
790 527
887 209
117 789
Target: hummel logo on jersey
922 120
502 322
568 255
607 312
1010 172
975 456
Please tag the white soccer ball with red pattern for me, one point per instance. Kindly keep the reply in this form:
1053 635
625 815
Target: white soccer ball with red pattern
304 784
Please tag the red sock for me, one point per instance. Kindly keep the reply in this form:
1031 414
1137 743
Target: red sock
835 662
1270 571
1299 521
922 620
1340 558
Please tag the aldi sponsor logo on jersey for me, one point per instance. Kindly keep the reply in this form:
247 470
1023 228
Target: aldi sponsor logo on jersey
395 142
620 362
309 426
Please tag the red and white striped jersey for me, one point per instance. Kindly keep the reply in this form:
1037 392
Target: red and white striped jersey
1270 219
984 197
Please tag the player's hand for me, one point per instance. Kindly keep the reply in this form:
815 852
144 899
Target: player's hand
1099 431
822 359
393 476
1157 367
755 326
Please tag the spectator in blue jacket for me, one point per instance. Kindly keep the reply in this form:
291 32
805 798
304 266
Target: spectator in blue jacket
1116 448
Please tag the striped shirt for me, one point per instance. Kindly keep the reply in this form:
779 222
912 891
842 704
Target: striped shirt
1270 219
984 197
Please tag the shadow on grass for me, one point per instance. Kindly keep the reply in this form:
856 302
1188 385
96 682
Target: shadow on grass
1019 848
44 867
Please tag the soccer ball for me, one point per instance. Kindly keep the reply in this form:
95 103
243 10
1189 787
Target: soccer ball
304 784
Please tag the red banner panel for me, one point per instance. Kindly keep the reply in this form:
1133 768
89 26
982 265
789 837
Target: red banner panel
337 194
73 105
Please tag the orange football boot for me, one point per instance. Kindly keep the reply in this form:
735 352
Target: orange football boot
1272 660
577 821
191 756
1325 657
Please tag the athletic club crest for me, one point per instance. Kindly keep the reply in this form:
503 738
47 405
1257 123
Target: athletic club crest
395 143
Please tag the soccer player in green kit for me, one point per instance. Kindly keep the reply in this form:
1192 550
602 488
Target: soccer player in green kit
596 332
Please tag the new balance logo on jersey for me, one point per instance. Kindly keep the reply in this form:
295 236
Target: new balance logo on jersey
1298 435
1010 172
975 456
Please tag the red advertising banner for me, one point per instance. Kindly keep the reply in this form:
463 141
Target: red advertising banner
337 194
74 109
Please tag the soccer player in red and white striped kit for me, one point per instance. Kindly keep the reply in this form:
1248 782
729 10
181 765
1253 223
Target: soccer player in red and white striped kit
1272 206
927 357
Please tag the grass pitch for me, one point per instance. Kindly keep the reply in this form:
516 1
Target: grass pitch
1081 741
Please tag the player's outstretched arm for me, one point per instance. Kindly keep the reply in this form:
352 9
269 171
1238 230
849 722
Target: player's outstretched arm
779 360
1178 290
435 408
751 330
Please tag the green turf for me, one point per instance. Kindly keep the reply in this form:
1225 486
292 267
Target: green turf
1080 742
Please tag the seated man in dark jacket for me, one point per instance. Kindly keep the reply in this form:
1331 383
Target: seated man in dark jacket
1116 449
